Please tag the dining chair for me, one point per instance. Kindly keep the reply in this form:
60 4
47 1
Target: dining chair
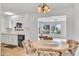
72 43
28 47
70 51
77 51
73 49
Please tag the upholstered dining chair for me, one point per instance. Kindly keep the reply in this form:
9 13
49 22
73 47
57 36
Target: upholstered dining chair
70 51
73 50
73 45
77 51
28 47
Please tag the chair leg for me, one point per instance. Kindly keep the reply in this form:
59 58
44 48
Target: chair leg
60 53
38 54
71 52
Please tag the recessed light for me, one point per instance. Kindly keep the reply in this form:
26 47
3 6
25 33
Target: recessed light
9 13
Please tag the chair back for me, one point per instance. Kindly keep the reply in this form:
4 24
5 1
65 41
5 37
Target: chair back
72 43
73 49
28 47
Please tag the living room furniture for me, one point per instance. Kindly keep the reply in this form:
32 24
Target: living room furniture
28 47
77 51
49 46
73 45
72 42
70 51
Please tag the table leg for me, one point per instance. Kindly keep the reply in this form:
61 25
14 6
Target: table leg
60 53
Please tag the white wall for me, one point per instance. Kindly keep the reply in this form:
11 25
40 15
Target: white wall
76 22
33 24
4 23
0 29
69 14
0 24
72 21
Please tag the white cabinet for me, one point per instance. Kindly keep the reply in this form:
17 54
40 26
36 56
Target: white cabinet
9 39
4 38
13 39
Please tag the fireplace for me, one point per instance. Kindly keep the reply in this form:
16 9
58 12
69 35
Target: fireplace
20 39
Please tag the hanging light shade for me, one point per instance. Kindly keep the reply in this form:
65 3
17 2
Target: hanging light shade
43 8
40 9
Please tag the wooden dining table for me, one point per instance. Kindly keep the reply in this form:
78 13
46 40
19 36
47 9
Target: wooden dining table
49 45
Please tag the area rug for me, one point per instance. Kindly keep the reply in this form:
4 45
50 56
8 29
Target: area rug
10 46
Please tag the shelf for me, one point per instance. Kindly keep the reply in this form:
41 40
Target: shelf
19 29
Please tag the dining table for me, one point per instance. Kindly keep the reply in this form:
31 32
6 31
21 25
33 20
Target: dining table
51 45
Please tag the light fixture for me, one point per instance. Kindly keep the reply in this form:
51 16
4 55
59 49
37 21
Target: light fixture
43 8
9 13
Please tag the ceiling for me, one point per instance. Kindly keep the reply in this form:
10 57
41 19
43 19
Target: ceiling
21 8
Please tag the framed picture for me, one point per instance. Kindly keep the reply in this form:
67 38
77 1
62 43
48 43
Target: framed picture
19 25
46 29
56 29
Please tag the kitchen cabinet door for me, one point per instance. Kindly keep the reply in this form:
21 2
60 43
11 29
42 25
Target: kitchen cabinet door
13 40
4 38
